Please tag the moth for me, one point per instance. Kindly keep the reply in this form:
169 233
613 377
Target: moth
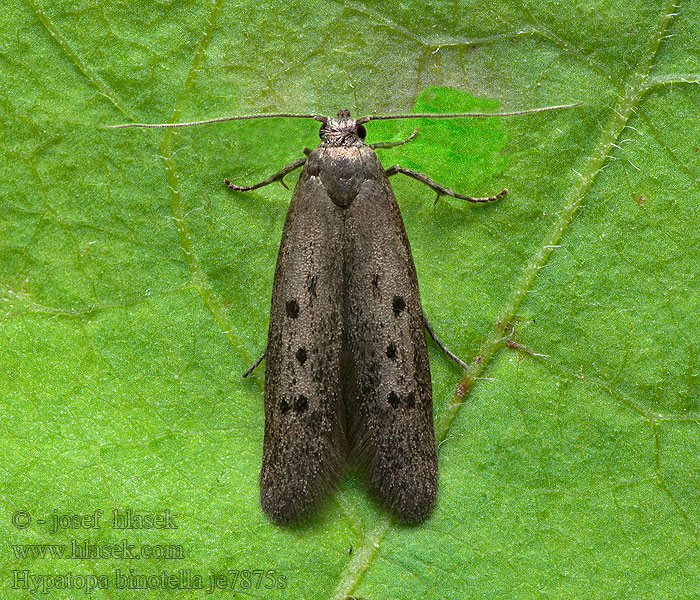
347 378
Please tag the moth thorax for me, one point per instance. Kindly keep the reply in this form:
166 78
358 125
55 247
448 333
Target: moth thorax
342 130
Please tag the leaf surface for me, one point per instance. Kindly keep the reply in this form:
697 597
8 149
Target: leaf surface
136 287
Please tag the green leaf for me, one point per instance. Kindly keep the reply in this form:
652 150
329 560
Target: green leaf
136 286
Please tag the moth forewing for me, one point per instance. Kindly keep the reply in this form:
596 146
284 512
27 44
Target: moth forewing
387 382
305 441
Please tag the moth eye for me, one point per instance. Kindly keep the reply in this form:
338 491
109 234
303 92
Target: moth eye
398 305
292 307
391 351
301 355
361 132
284 407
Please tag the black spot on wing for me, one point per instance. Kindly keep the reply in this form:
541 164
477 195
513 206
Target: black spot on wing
410 400
398 305
292 308
311 284
301 403
394 399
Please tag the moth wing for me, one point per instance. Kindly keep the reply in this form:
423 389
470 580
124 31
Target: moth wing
305 440
386 378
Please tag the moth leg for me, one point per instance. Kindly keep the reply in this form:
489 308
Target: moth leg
392 144
441 190
249 370
279 176
439 342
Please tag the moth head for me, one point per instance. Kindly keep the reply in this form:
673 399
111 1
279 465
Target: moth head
342 130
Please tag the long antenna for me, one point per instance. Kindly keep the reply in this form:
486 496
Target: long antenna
220 119
359 121
452 115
